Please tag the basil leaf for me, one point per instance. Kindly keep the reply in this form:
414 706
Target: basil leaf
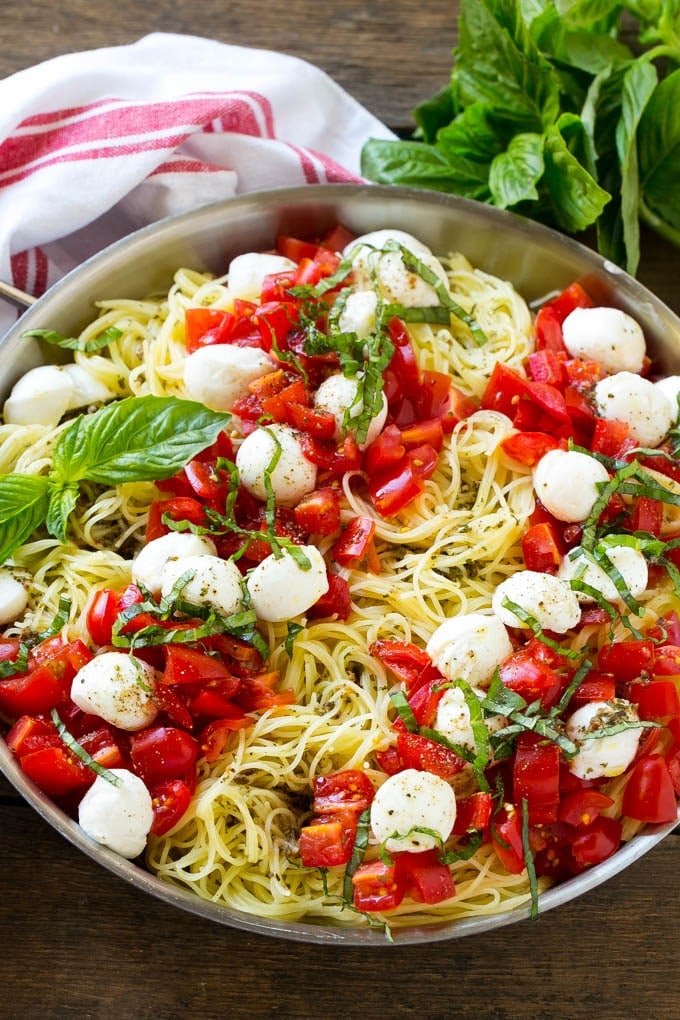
136 439
63 499
23 508
659 156
575 196
514 173
418 165
70 343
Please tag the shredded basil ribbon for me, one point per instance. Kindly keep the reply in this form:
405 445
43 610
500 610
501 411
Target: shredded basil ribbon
526 617
358 853
529 859
81 753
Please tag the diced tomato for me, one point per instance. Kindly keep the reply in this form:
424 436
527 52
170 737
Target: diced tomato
215 699
406 661
548 327
627 660
169 801
649 795
320 424
337 238
542 548
385 451
657 699
426 878
423 460
214 737
393 490
424 702
573 296
56 771
667 660
337 601
163 752
377 886
531 678
472 813
257 693
581 807
418 752
666 629
529 447
294 248
355 545
506 836
546 365
319 512
596 842
274 320
347 790
177 508
185 665
328 841
389 760
205 326
439 399
595 686
611 438
102 744
277 405
47 683
504 390
404 363
425 433
536 777
9 649
31 733
582 375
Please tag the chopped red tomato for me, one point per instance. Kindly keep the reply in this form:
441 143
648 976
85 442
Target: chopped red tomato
406 661
657 699
581 807
649 795
56 771
418 752
185 665
163 752
348 789
542 548
214 737
506 836
377 886
425 877
205 326
47 683
536 777
596 842
394 489
529 447
472 813
319 512
356 546
328 841
177 508
169 801
337 601
534 680
627 660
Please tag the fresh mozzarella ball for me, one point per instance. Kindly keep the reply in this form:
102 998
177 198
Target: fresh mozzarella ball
293 477
280 588
548 599
41 397
119 817
566 483
630 398
86 389
469 648
629 562
670 387
397 283
408 800
453 718
118 687
218 374
247 273
600 757
337 394
13 598
149 565
214 582
358 314
607 335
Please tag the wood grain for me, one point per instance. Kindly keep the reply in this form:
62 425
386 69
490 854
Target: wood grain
78 943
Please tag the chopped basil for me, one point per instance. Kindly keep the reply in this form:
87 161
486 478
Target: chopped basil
81 753
404 711
526 617
529 859
50 336
293 631
358 853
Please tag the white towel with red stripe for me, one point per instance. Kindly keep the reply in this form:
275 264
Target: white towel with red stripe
96 144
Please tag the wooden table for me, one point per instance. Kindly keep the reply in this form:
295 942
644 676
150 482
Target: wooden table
78 942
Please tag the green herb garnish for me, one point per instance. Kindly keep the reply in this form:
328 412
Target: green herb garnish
81 753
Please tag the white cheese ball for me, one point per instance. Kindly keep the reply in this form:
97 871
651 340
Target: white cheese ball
13 598
86 388
337 394
397 283
148 567
280 588
219 374
41 397
247 273
215 582
566 482
358 313
408 800
606 335
670 387
453 718
118 687
119 817
469 648
637 402
605 756
629 562
548 599
293 477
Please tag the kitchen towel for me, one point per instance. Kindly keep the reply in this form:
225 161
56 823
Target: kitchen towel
96 144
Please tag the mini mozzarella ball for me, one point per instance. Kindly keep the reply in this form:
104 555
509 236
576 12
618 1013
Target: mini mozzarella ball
637 402
670 387
548 599
86 388
120 816
293 477
219 374
629 562
337 394
469 648
371 264
566 482
148 567
605 756
13 598
280 588
453 718
358 313
41 397
214 582
247 272
118 687
411 799
606 335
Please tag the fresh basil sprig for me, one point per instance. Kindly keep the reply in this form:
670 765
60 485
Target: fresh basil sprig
70 343
138 439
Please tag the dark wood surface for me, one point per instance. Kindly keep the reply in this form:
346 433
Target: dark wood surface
77 942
